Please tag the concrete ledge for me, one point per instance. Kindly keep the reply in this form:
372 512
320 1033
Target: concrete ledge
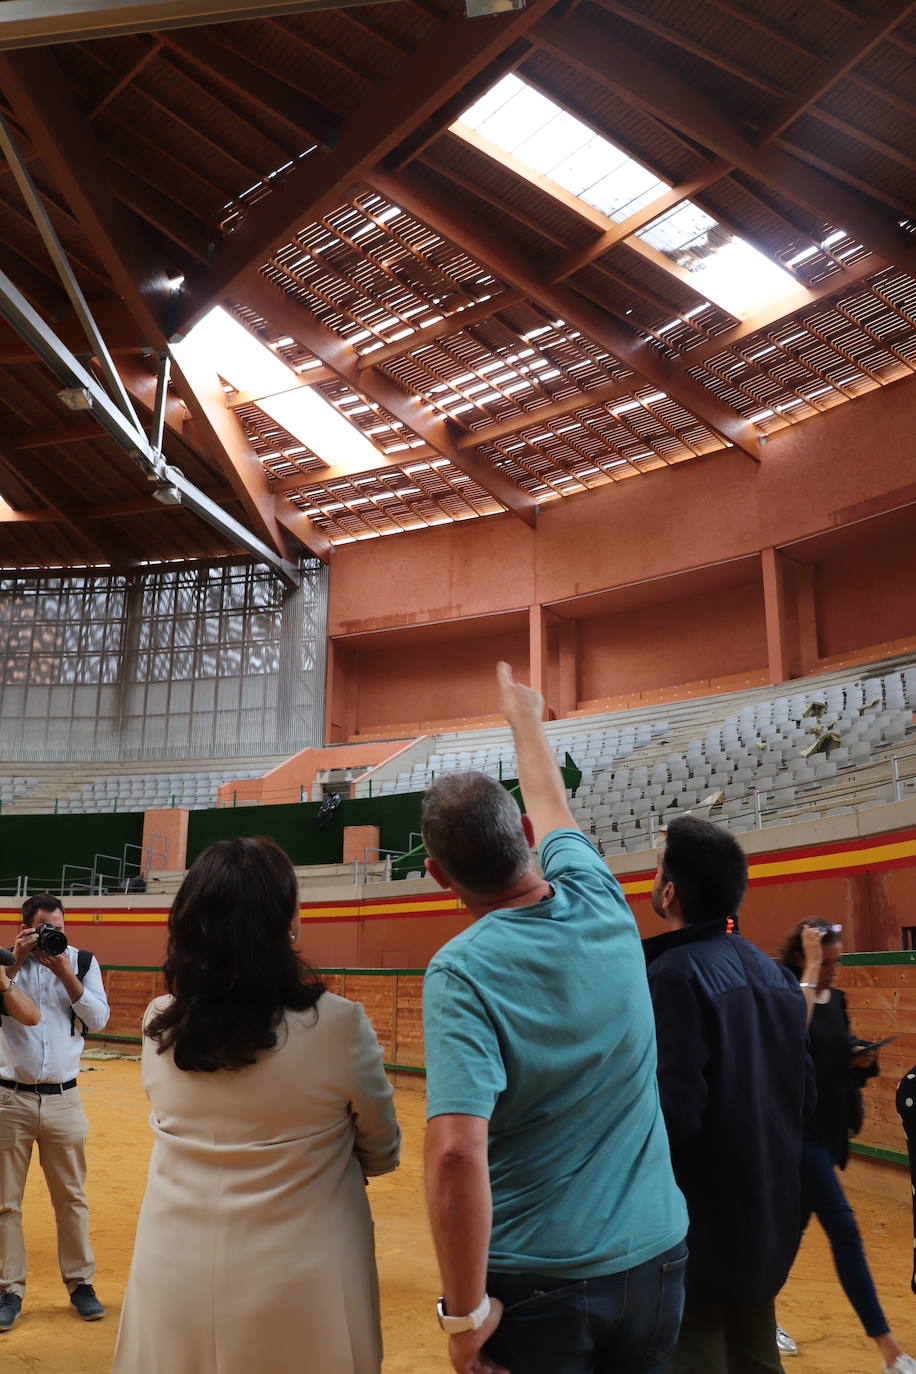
876 820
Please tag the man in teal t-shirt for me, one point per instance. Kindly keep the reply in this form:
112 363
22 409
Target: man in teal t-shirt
557 1222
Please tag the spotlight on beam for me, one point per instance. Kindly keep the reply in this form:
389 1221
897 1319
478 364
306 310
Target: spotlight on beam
167 496
75 398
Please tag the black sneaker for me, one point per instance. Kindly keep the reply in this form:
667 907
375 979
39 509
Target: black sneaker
10 1304
86 1303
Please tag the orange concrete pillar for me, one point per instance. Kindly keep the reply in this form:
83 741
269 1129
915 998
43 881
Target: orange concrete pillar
357 839
340 721
537 652
806 603
165 839
568 649
780 617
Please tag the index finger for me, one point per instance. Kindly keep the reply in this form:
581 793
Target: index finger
504 674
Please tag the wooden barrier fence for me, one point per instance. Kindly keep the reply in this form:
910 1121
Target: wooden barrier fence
392 998
880 989
881 996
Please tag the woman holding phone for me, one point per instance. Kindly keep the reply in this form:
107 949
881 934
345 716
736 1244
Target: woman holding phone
812 952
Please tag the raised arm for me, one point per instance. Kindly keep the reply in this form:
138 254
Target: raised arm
541 781
812 938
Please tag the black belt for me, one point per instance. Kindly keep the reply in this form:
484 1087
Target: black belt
43 1089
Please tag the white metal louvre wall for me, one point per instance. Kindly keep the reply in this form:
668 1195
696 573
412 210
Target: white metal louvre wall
209 661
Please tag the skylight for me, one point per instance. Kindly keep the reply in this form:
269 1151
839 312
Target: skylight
249 365
537 132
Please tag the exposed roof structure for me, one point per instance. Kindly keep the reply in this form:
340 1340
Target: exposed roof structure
523 255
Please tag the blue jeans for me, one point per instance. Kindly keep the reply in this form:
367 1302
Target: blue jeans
821 1194
623 1323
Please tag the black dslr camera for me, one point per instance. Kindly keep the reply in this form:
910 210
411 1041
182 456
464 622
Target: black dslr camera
51 940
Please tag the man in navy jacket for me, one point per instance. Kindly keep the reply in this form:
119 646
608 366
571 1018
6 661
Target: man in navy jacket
734 1084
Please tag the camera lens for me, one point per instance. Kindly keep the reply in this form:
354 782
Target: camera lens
51 940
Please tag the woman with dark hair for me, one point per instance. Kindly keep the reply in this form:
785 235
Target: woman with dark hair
270 1108
812 952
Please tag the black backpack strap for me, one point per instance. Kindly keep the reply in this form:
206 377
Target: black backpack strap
84 959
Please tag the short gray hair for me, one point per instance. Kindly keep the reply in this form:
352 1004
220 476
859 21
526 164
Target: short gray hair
472 827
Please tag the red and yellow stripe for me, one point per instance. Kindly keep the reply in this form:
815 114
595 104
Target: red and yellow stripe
830 860
382 909
840 859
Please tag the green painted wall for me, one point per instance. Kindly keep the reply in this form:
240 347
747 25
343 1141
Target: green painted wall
39 846
293 827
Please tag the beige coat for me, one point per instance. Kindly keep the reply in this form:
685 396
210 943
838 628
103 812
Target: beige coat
254 1251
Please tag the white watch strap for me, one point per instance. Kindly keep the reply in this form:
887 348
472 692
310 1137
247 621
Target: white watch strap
472 1322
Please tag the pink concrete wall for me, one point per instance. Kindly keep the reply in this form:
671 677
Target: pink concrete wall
816 476
289 781
675 642
437 681
833 474
867 595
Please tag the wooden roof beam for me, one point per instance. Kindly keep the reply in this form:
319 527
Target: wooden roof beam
516 268
314 377
44 291
115 510
777 311
302 116
43 479
62 434
189 233
29 23
349 472
334 352
545 415
223 434
454 323
828 73
117 326
592 49
440 66
40 95
622 230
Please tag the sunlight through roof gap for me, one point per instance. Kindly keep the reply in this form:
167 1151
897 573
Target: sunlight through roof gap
247 364
535 130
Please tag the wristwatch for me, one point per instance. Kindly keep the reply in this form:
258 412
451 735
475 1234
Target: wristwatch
472 1322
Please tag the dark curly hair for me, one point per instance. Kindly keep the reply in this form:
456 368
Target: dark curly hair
230 965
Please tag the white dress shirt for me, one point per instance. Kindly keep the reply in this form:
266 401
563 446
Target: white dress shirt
48 1053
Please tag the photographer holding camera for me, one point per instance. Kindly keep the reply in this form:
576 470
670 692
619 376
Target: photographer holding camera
40 1102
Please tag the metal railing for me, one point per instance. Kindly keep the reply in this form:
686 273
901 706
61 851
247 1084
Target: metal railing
389 856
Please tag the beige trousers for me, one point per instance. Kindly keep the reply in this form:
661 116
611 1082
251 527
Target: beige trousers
58 1126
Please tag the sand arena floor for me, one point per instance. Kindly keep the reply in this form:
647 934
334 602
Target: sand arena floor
49 1338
